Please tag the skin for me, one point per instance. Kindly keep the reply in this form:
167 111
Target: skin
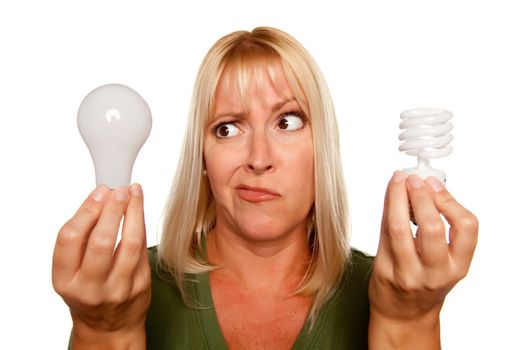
261 246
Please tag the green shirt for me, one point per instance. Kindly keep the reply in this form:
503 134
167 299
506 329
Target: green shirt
342 322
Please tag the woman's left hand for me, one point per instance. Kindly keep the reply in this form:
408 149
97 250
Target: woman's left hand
412 275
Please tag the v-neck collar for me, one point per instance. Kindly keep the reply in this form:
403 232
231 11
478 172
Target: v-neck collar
209 322
205 310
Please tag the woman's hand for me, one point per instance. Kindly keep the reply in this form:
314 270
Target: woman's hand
412 275
106 289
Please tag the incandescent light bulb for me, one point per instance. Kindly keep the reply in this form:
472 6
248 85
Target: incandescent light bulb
114 121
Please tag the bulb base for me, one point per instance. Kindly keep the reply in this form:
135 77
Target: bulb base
426 172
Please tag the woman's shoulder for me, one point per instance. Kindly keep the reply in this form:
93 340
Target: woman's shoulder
353 290
361 255
152 253
359 265
343 322
170 322
162 280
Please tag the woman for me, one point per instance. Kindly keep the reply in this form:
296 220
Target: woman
254 253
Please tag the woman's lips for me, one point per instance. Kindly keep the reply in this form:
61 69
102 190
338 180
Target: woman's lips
256 194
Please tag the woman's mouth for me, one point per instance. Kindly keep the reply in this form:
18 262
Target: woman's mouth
256 194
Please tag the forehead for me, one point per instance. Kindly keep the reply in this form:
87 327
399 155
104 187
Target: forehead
242 85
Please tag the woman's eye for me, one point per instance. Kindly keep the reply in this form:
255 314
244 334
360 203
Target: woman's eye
226 130
291 122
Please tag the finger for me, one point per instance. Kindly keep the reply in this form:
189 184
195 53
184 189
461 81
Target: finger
396 224
98 259
133 242
463 224
73 236
431 237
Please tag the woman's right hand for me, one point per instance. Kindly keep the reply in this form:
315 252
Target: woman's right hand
107 290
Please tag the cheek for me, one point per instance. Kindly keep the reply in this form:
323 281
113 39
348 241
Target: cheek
220 162
299 172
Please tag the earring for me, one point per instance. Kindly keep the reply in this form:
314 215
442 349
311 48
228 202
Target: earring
204 173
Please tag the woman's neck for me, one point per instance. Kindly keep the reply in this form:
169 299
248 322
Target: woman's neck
276 264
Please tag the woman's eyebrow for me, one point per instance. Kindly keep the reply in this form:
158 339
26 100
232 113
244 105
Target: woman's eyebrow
280 105
236 115
242 114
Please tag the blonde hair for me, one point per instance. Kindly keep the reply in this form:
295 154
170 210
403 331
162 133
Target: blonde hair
190 210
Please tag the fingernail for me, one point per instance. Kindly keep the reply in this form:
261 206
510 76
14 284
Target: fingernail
415 181
435 184
136 190
398 176
99 193
121 194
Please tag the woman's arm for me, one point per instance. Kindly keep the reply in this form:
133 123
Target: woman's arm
84 338
384 333
413 275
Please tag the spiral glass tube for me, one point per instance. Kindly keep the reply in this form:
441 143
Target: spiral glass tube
426 136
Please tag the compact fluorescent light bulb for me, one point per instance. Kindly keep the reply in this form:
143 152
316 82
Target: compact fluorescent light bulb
426 136
114 121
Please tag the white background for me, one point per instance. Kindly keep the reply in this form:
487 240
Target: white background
379 58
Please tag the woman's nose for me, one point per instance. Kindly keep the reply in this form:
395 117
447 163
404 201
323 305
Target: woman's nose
260 159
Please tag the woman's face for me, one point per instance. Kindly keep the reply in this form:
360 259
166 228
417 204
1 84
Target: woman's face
259 159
